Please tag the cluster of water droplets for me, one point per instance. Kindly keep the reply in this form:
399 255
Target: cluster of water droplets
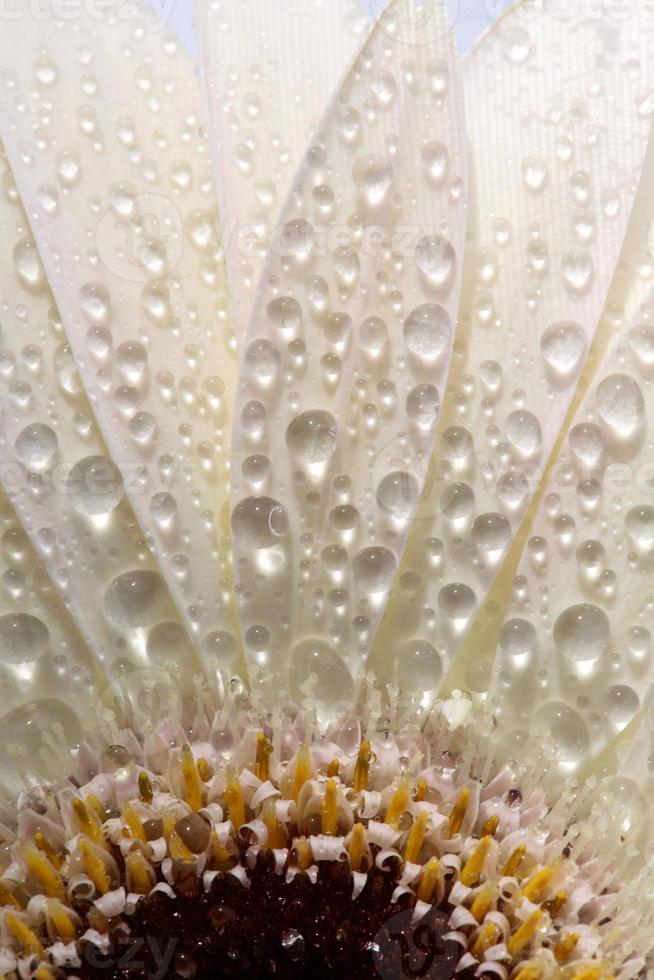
344 369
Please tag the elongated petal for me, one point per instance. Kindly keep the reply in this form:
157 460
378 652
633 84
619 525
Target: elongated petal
101 120
575 649
558 119
346 358
270 69
57 471
48 676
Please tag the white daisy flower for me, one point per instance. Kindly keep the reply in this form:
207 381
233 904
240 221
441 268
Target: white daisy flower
328 515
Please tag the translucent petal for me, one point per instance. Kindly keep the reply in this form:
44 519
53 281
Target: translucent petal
57 470
102 122
557 124
346 358
270 69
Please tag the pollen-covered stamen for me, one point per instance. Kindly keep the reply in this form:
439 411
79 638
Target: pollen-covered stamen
196 829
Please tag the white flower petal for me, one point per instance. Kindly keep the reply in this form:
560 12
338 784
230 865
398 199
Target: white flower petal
557 125
346 358
269 71
103 115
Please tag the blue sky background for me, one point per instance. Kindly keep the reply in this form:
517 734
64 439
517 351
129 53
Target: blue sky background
470 18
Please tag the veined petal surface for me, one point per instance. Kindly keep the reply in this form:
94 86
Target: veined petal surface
102 122
270 68
58 473
558 117
346 357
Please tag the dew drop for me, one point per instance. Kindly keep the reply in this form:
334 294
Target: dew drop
135 598
373 175
95 486
427 331
563 346
23 638
398 494
36 446
436 260
312 437
621 406
567 730
582 633
373 569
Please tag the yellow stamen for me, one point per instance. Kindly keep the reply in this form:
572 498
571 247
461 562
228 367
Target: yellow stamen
97 806
398 804
523 936
133 821
139 872
61 921
44 973
276 833
145 787
484 902
362 768
7 897
44 845
333 768
567 946
302 771
357 846
47 876
594 973
95 868
430 875
303 853
490 827
532 971
458 812
475 863
28 941
488 936
89 823
512 866
554 906
422 789
205 770
220 853
538 882
192 781
329 816
262 765
234 799
416 838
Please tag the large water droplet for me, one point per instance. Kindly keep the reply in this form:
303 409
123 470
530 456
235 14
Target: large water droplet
524 434
36 446
621 406
563 346
335 688
374 569
95 486
436 259
582 632
398 494
29 269
427 331
311 437
259 522
567 730
136 598
419 666
373 175
23 638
